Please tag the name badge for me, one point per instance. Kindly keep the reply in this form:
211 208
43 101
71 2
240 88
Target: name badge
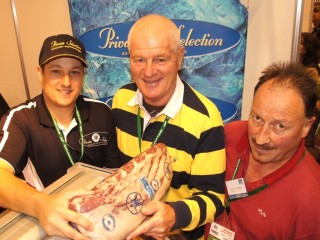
218 232
236 188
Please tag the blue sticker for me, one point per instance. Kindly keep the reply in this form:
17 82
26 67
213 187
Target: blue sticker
149 190
155 184
108 222
134 202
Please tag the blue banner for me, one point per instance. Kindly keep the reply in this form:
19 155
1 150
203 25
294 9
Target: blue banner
213 33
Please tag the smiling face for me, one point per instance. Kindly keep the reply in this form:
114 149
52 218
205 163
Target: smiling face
62 80
155 60
277 123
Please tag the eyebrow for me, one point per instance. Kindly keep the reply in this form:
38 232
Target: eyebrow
62 66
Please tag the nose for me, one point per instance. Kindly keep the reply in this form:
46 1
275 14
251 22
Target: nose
150 69
66 80
263 135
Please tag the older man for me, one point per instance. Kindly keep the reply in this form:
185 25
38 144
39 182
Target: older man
160 107
273 182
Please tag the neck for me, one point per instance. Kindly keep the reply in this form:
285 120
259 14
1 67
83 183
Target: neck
152 110
258 170
63 116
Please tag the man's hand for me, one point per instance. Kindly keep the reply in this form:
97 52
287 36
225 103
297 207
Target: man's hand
160 219
51 210
54 215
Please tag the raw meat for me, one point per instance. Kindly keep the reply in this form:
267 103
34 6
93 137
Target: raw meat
115 205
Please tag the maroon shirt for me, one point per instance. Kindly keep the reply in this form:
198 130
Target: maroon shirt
288 208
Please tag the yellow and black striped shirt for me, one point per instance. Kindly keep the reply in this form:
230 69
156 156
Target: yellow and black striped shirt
195 141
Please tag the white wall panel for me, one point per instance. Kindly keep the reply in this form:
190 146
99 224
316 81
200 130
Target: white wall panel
37 19
270 38
11 81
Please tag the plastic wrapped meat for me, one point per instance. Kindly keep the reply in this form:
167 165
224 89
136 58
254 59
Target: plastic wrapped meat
115 204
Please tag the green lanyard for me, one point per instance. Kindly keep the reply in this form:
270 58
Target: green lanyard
163 126
62 140
259 189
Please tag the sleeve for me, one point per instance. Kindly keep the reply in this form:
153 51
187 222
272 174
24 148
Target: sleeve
206 183
13 141
111 154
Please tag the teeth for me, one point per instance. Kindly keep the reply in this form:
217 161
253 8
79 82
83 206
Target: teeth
66 91
152 81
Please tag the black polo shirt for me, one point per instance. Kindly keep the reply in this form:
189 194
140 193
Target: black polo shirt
27 132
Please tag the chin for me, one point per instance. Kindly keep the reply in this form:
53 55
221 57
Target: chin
259 157
66 104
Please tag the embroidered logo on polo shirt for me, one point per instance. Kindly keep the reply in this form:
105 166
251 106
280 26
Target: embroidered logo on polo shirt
262 213
95 139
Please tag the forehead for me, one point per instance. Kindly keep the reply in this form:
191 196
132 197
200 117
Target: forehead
151 42
278 102
152 34
151 48
65 62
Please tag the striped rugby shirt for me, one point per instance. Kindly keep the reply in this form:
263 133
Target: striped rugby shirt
194 136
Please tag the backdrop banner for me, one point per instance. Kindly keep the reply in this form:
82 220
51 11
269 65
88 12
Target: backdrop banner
212 31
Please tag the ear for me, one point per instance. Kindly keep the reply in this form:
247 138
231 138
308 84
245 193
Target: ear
307 126
40 73
181 52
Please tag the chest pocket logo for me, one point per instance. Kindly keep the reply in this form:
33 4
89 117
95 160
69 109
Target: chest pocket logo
96 139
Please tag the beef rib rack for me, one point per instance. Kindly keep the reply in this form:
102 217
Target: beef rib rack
115 204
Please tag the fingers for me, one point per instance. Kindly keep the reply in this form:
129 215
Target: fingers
66 230
65 226
158 224
145 228
150 208
55 216
80 220
149 225
149 228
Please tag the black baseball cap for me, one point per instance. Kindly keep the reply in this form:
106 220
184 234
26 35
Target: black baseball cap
62 45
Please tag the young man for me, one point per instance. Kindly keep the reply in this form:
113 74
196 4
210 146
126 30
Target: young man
45 136
273 182
159 107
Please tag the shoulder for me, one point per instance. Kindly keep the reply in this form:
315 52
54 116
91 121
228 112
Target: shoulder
235 130
130 87
308 173
95 102
313 166
26 107
91 104
124 94
236 125
93 107
23 116
197 101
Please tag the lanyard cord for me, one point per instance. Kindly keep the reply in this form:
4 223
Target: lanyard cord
62 140
259 189
161 130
